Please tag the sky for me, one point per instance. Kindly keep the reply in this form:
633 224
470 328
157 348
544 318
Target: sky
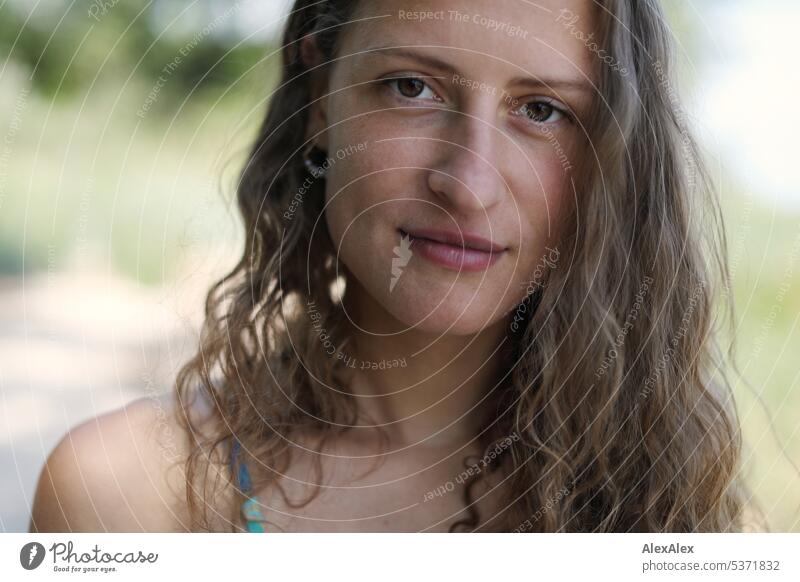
751 82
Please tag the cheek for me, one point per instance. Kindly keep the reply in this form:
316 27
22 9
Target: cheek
543 194
368 192
366 195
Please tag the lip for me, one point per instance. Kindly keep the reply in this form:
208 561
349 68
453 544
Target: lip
446 249
455 238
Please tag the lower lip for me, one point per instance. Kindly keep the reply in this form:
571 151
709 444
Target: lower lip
453 257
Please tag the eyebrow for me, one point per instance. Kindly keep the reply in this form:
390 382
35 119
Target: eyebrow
569 84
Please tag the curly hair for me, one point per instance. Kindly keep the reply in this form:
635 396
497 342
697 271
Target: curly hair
616 399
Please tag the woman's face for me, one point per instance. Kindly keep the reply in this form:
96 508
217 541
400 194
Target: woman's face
454 117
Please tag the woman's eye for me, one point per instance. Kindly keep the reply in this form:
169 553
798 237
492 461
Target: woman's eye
412 88
542 111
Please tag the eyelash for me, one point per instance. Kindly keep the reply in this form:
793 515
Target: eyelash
392 80
562 110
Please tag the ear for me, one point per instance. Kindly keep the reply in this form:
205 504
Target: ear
318 89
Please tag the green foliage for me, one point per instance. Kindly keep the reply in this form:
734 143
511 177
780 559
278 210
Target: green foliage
68 52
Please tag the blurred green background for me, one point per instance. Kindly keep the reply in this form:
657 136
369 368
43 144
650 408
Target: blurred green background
116 169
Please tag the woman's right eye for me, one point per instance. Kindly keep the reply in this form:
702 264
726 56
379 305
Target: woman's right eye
412 88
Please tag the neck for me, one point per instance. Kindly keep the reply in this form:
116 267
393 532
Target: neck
423 389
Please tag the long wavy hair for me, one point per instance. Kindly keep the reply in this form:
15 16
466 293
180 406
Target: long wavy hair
616 397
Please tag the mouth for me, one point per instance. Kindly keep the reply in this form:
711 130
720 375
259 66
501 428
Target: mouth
457 251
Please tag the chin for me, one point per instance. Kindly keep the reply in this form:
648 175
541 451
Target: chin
454 308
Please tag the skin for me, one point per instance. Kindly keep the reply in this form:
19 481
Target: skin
453 157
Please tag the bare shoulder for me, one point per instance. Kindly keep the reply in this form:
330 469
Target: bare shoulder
120 472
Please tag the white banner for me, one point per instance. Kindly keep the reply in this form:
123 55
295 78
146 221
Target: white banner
417 557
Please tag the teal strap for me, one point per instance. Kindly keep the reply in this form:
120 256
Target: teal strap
251 513
253 516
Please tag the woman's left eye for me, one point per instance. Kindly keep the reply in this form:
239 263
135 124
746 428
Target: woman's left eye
412 88
543 111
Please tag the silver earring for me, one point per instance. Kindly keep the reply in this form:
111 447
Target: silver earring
310 158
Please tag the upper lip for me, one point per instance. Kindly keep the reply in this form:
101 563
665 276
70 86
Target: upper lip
457 238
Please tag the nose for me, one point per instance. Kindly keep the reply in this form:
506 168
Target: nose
467 175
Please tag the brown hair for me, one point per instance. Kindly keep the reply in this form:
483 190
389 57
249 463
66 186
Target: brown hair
620 411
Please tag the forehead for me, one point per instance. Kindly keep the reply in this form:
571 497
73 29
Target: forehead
542 37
